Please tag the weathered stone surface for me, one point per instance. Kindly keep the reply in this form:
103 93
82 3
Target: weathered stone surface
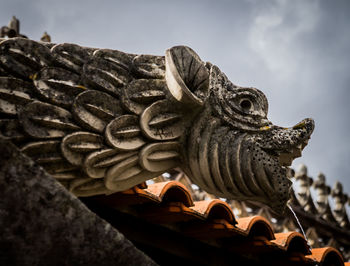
71 56
304 196
322 203
218 132
43 120
17 56
124 133
41 223
14 94
94 109
339 210
58 86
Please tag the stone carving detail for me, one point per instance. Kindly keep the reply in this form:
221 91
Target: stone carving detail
339 210
12 29
102 121
322 191
304 194
313 238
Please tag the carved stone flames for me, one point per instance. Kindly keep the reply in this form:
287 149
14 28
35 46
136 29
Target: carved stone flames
102 121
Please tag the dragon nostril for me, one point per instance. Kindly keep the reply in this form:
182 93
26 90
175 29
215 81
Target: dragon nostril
300 125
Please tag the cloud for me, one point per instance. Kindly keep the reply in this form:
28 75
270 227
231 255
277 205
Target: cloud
276 30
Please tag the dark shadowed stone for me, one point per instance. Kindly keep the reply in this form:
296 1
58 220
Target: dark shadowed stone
43 224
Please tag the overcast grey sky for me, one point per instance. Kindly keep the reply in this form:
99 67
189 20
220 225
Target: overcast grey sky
296 52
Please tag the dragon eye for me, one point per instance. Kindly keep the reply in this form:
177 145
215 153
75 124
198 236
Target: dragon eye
246 105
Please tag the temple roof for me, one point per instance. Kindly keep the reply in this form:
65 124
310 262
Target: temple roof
211 222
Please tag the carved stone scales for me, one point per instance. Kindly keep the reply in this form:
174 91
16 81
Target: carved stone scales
102 121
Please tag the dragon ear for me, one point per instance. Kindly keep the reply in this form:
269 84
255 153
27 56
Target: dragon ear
186 75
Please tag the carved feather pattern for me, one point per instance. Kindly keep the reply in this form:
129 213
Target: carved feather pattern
97 163
48 154
71 56
81 109
77 145
160 121
124 133
95 109
43 120
58 86
140 93
14 94
24 58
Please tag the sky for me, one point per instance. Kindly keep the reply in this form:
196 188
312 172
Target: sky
296 52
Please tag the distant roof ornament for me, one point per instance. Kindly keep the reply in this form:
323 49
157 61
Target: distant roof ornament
12 29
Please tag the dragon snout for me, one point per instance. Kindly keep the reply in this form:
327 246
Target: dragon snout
287 143
302 133
308 124
304 130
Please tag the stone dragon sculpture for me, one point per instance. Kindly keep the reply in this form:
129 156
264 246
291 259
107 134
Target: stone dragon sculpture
102 121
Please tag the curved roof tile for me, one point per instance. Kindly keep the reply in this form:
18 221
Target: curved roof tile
293 242
256 226
327 256
214 219
171 191
214 209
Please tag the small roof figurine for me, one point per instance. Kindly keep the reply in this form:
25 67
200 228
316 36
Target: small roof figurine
12 30
46 37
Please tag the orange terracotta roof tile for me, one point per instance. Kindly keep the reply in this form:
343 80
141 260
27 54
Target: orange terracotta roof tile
217 220
214 209
210 230
132 196
292 242
171 212
171 191
256 226
178 212
327 256
171 203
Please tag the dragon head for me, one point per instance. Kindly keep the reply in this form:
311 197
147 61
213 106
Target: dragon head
233 150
